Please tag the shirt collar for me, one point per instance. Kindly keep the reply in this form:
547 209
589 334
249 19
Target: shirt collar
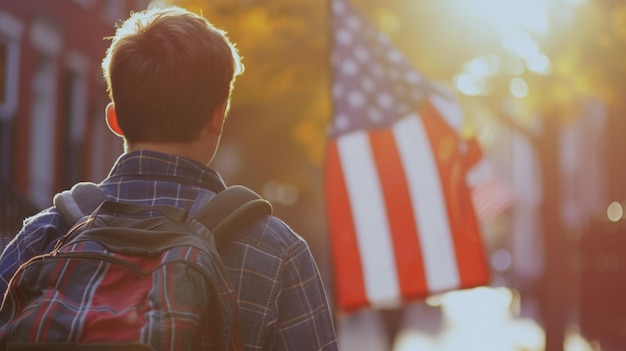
157 165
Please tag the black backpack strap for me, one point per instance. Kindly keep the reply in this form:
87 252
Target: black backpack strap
224 213
79 201
231 209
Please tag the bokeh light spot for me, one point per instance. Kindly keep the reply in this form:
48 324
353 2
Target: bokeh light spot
615 211
518 87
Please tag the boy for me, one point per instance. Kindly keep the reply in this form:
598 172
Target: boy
170 74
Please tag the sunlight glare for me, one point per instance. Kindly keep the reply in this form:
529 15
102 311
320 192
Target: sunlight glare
576 342
476 72
462 306
477 67
434 300
413 340
615 211
518 87
157 4
483 319
539 64
468 84
512 14
575 3
521 44
514 66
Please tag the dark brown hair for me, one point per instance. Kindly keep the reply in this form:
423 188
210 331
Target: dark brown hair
166 71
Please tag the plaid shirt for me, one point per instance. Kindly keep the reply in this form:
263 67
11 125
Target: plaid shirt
282 301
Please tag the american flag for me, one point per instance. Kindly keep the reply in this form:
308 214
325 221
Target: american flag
400 215
491 193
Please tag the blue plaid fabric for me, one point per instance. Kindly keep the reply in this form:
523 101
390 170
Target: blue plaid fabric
282 301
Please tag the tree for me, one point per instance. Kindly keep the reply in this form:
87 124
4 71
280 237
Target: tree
282 94
585 47
587 63
275 133
286 90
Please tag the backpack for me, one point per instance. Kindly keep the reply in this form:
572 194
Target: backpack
130 277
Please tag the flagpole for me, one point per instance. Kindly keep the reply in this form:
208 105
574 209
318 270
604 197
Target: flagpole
329 69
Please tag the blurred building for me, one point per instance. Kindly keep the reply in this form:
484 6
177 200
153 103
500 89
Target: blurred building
584 194
52 98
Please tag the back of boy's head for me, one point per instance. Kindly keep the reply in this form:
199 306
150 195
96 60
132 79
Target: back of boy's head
166 71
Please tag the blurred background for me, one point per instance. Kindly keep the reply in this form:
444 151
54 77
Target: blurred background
542 87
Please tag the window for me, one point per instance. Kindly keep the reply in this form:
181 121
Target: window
48 42
10 34
74 114
4 67
42 131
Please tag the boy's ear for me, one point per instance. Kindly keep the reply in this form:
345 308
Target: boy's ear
217 119
111 117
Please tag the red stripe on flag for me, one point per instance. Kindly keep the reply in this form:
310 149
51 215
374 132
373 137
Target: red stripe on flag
473 155
348 272
464 227
402 227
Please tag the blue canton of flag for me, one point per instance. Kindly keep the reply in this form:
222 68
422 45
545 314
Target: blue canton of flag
374 84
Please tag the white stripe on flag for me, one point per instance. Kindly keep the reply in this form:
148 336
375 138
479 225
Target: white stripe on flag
370 218
429 208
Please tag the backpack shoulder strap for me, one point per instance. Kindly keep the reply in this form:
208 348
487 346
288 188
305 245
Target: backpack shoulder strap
79 201
231 209
224 213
